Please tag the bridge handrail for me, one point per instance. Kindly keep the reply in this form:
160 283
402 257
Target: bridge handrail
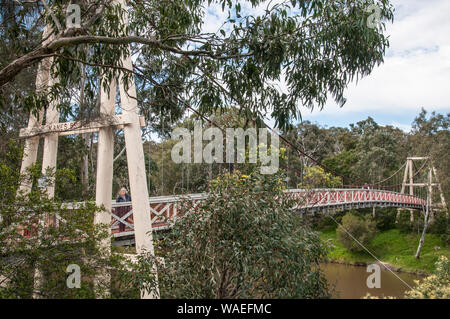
200 196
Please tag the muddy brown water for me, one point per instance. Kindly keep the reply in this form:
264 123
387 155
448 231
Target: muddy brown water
351 281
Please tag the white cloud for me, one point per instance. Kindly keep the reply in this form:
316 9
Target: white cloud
416 71
404 127
214 17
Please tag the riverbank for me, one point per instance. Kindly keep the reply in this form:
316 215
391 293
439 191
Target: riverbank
395 249
350 282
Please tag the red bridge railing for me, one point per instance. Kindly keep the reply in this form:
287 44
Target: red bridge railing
165 208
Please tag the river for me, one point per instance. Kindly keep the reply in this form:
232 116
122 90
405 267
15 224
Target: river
351 283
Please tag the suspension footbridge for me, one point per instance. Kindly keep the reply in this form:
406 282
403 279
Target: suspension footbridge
164 209
407 188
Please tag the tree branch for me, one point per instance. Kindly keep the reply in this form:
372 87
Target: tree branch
55 20
12 69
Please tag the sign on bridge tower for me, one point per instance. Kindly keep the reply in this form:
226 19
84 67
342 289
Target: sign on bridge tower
129 121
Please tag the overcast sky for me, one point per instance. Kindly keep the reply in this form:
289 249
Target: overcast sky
416 72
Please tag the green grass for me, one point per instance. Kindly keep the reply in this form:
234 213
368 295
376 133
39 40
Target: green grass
392 247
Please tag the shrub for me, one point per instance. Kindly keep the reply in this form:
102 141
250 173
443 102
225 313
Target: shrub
242 241
436 286
363 229
322 222
440 226
316 177
385 218
404 224
51 249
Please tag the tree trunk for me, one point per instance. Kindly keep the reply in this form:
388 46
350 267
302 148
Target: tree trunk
422 238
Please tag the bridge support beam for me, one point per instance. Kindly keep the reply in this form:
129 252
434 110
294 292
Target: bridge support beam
408 181
49 159
32 144
136 167
131 122
43 81
104 178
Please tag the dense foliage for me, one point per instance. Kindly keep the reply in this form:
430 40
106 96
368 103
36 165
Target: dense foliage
435 286
316 177
318 47
243 241
362 230
35 253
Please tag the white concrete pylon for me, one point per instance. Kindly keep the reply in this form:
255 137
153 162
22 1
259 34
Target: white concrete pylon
48 164
51 142
31 144
103 187
105 154
136 165
131 122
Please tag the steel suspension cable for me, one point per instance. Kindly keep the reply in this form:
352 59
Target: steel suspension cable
386 179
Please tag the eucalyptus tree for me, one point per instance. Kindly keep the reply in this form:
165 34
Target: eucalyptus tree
267 58
378 155
314 140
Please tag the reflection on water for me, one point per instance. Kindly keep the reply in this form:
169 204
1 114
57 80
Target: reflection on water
350 281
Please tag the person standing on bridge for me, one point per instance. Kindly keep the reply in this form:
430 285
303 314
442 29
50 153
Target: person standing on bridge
123 196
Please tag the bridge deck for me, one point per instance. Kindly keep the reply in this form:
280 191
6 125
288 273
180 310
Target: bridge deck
164 209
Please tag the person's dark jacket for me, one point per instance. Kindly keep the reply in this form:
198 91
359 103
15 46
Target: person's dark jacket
120 199
121 211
